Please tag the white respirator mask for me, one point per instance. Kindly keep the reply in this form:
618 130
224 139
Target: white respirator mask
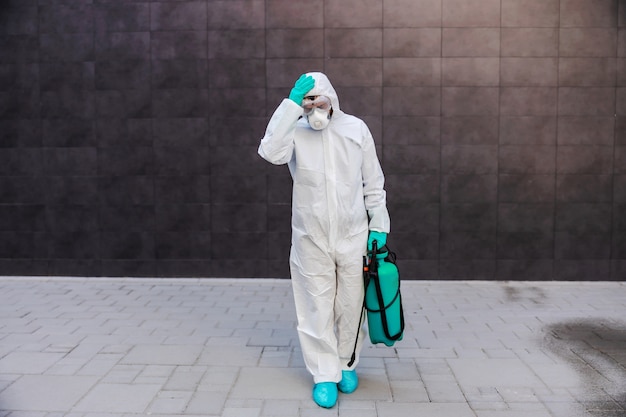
318 118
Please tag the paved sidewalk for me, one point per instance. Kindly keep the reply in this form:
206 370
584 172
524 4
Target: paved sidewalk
228 347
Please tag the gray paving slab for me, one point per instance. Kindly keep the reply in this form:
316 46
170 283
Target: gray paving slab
105 347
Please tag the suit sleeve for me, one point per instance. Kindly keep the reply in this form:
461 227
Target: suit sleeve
277 144
374 187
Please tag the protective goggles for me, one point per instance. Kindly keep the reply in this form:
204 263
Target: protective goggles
311 102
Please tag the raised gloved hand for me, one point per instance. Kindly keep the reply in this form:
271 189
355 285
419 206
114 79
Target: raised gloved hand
380 237
303 85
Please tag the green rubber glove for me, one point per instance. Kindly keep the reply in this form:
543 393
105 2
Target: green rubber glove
379 237
303 85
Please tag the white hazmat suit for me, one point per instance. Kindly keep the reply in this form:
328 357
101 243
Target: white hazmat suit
338 195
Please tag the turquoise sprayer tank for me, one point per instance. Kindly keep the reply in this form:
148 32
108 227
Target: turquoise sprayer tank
383 301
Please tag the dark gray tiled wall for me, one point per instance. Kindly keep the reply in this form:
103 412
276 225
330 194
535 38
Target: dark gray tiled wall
128 132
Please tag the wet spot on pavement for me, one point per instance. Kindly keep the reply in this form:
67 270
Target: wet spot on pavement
596 351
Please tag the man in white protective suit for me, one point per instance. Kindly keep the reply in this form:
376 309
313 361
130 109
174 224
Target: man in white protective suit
338 210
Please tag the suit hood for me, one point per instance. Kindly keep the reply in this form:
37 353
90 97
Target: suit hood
323 87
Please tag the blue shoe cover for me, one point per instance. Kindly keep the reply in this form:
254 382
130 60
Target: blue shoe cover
349 382
325 394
